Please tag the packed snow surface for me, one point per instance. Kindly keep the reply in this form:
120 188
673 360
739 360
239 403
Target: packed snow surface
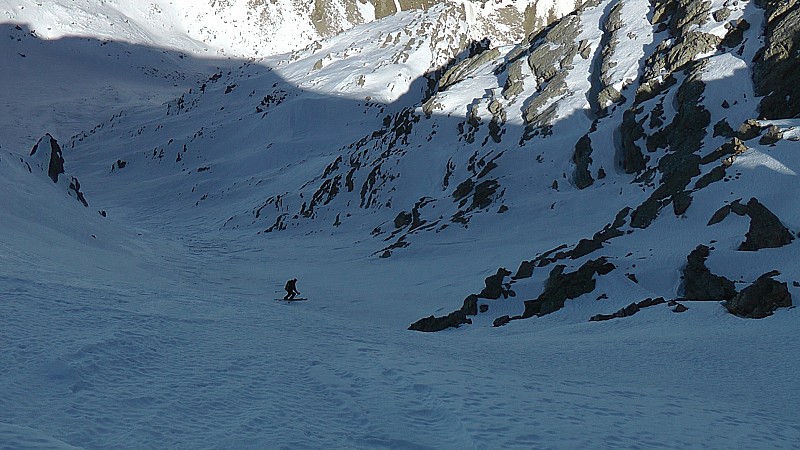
160 325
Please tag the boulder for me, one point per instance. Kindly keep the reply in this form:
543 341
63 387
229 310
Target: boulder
773 135
500 321
766 230
761 298
120 164
722 14
735 35
750 129
679 308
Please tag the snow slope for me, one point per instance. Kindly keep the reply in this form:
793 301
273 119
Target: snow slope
154 325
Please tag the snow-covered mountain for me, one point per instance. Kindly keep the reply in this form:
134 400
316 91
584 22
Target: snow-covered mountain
423 138
634 157
252 28
146 44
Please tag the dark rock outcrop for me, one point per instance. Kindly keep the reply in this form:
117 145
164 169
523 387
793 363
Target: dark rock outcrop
470 306
723 128
604 93
700 283
719 215
776 68
120 164
500 321
525 270
452 320
561 287
766 230
432 324
53 164
633 160
629 310
581 249
495 286
681 18
550 55
403 219
728 150
750 129
735 35
683 137
75 186
761 298
583 159
664 138
772 136
56 165
586 246
463 69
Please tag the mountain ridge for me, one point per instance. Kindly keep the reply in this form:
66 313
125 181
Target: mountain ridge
539 98
258 28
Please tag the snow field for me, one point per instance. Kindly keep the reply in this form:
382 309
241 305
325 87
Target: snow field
179 370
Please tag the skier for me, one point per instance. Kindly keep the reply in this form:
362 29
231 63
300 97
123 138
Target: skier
291 289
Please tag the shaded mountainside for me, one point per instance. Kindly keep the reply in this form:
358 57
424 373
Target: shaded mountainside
601 156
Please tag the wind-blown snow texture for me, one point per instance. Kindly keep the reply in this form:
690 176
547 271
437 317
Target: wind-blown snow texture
391 169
